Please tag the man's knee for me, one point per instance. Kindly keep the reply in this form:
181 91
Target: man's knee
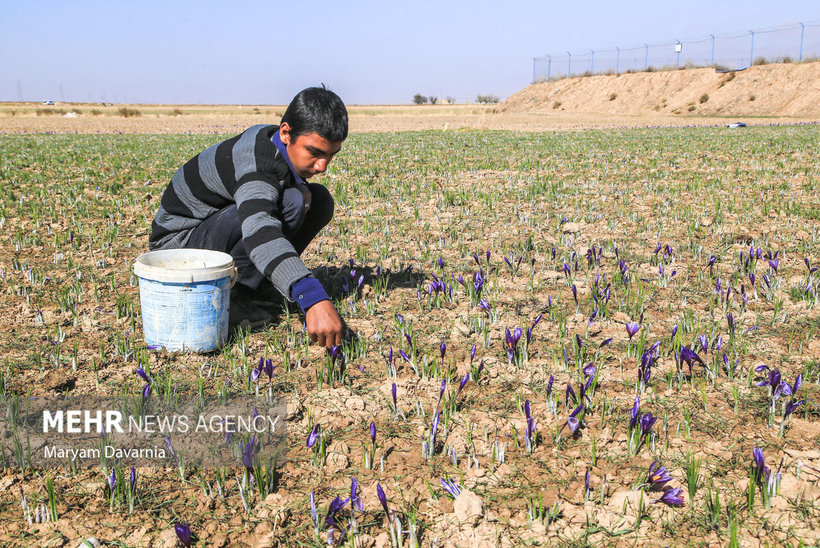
322 204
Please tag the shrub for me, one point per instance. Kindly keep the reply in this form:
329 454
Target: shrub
450 100
691 108
752 97
761 61
419 99
556 104
704 98
487 99
96 111
126 112
613 96
176 112
433 100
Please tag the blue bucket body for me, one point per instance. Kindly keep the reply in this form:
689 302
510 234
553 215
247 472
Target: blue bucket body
185 316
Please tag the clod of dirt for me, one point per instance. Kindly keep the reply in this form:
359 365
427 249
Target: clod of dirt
468 507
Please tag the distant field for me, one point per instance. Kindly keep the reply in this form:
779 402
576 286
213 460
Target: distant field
444 242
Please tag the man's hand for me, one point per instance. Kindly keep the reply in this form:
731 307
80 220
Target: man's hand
324 324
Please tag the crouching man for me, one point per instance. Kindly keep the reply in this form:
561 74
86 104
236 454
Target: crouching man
249 197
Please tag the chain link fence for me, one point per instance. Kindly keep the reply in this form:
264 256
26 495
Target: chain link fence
724 52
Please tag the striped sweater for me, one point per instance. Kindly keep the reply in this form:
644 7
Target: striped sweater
247 170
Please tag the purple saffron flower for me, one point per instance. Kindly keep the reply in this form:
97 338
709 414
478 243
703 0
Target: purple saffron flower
575 293
549 385
248 455
335 506
269 367
463 382
146 391
452 488
382 499
168 445
634 415
112 480
704 343
657 475
570 392
373 432
183 531
133 480
472 353
441 391
671 497
774 263
674 330
690 357
605 342
647 421
314 514
141 372
313 436
572 420
791 407
530 433
443 349
393 392
355 500
404 357
632 328
586 481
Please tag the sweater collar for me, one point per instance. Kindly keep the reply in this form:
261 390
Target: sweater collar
277 141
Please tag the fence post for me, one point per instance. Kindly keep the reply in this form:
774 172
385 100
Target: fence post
713 49
617 59
569 64
646 57
802 29
752 51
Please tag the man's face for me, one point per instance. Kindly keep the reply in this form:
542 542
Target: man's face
309 153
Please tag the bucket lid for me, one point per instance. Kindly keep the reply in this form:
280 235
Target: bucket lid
184 265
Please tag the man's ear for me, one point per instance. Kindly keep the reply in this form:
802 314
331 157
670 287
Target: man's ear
284 133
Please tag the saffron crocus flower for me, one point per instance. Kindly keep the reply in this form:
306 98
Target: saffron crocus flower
463 382
572 421
472 353
605 342
529 436
313 436
774 263
511 342
133 480
452 488
373 432
433 432
382 499
393 393
443 387
248 454
657 475
634 414
314 514
690 357
632 328
443 349
141 372
647 422
671 497
355 500
335 506
183 531
549 385
112 480
704 343
146 391
791 407
269 367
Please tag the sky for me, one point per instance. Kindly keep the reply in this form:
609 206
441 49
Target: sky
369 52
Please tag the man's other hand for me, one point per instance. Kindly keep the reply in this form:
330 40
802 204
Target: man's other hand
324 324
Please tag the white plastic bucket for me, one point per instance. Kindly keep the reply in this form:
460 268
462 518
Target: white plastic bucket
185 296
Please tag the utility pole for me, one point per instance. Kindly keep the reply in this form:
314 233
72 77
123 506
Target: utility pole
752 51
569 64
549 66
713 49
617 59
802 30
646 57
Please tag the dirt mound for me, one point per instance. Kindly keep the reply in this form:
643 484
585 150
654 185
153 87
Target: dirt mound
791 90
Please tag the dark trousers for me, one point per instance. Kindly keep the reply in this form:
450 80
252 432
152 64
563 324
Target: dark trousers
222 231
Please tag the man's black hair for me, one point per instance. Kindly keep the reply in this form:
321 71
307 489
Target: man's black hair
317 110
